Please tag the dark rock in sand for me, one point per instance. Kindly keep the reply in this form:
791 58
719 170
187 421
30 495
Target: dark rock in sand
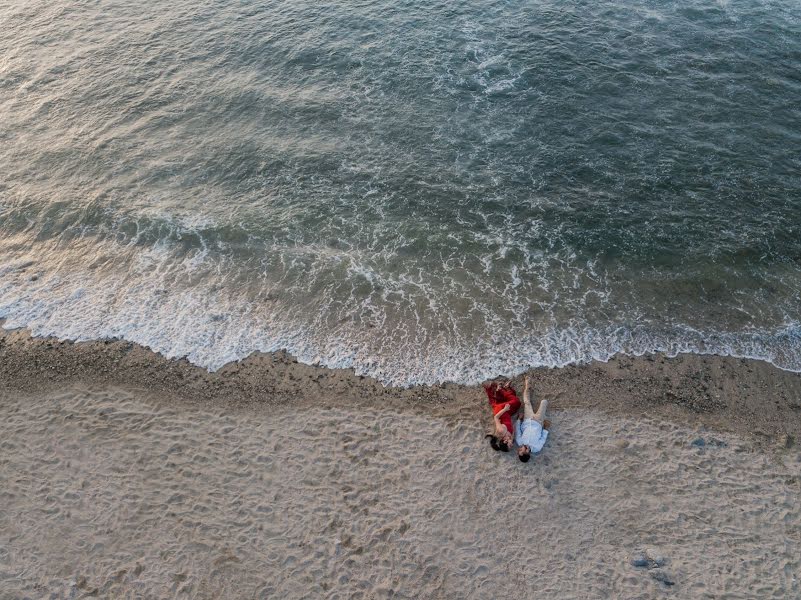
640 561
663 577
645 561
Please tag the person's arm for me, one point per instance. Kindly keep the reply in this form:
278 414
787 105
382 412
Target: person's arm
540 441
497 416
503 395
511 396
503 411
499 427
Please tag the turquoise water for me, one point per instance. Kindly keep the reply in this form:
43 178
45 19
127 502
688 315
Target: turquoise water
421 191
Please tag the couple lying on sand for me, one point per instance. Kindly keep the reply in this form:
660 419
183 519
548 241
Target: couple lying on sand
531 428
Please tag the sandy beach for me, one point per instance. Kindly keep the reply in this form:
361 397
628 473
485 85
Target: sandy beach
258 261
125 475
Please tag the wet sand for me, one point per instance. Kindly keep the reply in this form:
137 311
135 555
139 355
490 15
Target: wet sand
748 397
123 474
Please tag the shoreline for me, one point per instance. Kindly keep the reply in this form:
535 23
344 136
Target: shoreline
745 396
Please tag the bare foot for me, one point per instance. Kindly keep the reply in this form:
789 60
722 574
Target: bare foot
546 424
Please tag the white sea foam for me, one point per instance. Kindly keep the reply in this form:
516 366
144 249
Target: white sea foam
211 326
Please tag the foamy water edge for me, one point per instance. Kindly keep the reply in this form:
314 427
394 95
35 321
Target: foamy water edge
437 372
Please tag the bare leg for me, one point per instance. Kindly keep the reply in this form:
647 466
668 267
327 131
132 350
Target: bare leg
540 414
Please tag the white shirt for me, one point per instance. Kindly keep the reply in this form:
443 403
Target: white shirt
530 433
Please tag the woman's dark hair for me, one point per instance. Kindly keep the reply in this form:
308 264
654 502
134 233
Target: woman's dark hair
494 442
503 447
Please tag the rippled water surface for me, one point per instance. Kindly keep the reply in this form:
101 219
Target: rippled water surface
423 191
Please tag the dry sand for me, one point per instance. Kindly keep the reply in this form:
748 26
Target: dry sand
126 475
114 493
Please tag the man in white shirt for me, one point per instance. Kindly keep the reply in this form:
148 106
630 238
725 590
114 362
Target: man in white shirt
531 430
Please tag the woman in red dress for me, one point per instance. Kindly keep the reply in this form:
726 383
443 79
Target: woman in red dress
504 403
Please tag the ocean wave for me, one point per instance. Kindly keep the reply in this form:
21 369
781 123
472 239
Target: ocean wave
421 195
210 327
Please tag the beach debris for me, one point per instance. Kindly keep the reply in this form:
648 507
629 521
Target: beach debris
711 442
663 577
640 561
643 560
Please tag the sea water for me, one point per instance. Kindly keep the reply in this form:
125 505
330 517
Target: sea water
422 191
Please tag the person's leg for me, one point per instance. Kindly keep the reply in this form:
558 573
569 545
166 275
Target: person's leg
540 414
528 410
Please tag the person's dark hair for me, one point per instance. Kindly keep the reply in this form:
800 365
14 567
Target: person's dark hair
494 442
503 446
524 457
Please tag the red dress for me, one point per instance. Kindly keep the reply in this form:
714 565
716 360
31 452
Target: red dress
500 397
